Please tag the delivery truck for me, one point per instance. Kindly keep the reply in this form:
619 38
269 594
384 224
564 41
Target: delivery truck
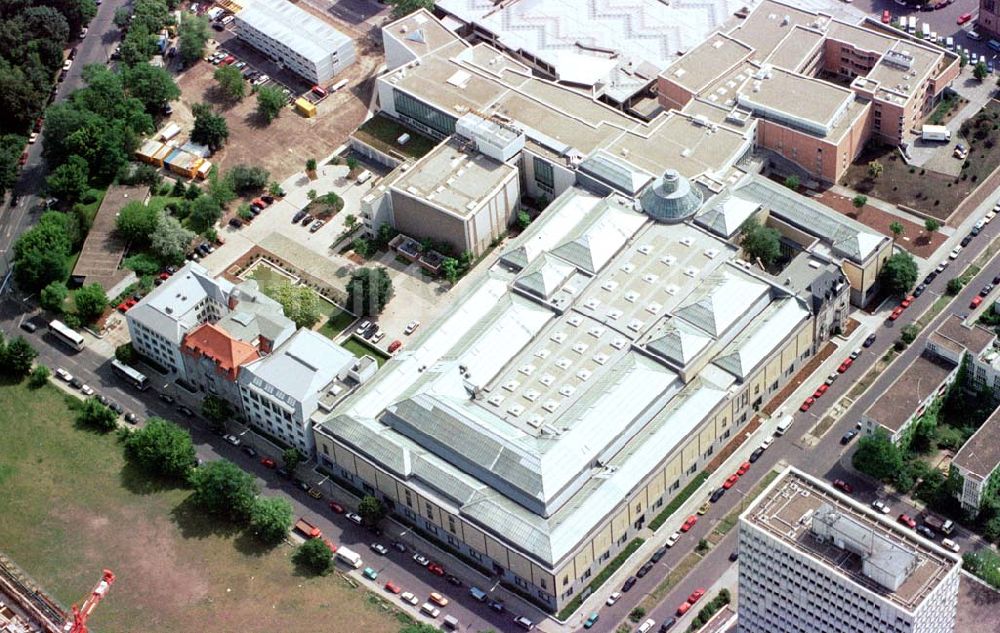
349 557
939 525
935 133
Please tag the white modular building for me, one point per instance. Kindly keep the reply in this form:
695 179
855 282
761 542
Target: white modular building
302 42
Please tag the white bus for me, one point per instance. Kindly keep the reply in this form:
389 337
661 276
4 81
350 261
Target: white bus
65 334
135 378
349 556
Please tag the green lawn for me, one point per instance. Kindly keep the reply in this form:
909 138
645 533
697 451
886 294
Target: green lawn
381 132
71 506
337 320
359 349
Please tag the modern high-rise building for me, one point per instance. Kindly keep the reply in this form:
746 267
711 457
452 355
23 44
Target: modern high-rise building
812 559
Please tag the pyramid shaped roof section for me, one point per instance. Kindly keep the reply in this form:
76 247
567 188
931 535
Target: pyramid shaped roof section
596 240
722 300
680 342
545 276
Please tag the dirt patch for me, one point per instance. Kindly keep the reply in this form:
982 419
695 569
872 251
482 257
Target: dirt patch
850 325
799 378
914 238
929 192
283 146
736 442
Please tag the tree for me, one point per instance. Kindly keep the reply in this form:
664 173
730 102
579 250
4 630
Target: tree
980 71
245 179
222 488
53 296
205 212
41 254
161 447
299 303
270 101
216 410
897 229
954 286
291 458
152 85
39 376
931 225
311 194
449 267
90 301
792 182
271 518
899 274
231 84
18 357
352 163
350 221
760 242
137 221
138 46
210 128
170 240
875 169
315 556
122 17
96 415
125 353
369 290
362 247
371 510
69 181
984 563
878 457
11 146
401 8
523 219
859 201
143 264
193 35
311 165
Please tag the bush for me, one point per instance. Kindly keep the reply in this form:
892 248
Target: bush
143 264
637 614
314 556
125 353
96 415
245 179
39 376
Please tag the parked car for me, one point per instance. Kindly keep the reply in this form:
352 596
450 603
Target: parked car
689 523
613 598
645 569
185 411
232 439
591 620
881 506
370 573
926 532
298 216
235 223
399 546
314 493
411 327
435 568
950 544
696 595
409 598
755 455
395 345
421 560
87 390
729 483
29 327
453 580
672 538
808 403
658 554
870 340
976 301
906 520
392 587
965 240
742 470
843 486
267 462
379 549
629 583
353 518
846 438
317 225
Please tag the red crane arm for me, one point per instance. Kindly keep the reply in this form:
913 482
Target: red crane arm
80 614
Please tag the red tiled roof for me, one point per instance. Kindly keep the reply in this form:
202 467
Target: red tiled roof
215 343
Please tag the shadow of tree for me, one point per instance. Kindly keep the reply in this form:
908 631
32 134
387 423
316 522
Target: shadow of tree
248 544
193 522
137 481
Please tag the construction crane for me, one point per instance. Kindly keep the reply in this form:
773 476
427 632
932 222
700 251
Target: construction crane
80 615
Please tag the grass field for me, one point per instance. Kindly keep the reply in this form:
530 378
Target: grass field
359 349
72 506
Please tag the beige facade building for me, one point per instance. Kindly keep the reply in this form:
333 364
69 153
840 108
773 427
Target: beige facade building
542 423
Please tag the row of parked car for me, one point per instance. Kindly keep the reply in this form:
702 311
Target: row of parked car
87 390
257 206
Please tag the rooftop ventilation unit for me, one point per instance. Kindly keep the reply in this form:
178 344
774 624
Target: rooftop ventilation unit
614 313
563 363
619 343
542 353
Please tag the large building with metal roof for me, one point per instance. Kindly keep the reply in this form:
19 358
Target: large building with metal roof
812 559
570 392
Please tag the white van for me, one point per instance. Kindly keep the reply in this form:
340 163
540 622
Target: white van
949 43
451 622
430 610
350 557
783 425
363 177
911 24
647 626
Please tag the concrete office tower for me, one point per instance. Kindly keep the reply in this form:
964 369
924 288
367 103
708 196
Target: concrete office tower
812 559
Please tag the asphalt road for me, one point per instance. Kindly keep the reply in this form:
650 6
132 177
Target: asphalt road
96 48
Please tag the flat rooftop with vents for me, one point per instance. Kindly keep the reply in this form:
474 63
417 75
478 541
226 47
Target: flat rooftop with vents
847 538
454 178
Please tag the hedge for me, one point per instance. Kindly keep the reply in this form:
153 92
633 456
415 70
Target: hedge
679 500
601 578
